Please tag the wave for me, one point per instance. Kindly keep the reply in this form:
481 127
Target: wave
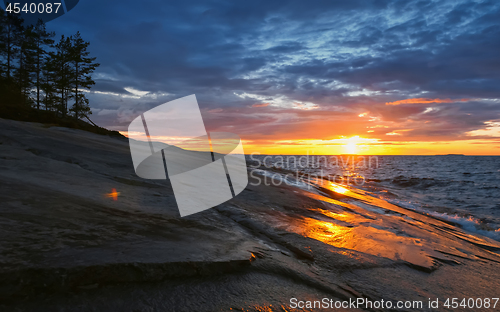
423 183
468 223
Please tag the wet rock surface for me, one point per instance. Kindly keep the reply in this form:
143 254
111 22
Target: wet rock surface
66 246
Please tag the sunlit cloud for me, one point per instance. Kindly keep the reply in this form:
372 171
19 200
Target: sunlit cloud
305 106
279 101
127 96
261 105
136 92
398 132
425 101
492 130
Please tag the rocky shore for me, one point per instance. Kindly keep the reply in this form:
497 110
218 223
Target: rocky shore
67 246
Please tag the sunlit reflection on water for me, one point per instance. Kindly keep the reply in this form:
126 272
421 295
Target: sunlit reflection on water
338 189
384 230
365 239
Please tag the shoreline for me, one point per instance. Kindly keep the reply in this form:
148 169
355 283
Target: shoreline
66 246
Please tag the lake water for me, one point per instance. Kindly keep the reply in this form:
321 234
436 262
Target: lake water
462 189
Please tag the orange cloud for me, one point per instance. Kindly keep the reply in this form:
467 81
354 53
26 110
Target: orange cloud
425 101
261 105
303 106
293 131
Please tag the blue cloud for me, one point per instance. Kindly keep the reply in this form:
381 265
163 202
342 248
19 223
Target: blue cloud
342 53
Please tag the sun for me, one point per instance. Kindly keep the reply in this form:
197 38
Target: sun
351 147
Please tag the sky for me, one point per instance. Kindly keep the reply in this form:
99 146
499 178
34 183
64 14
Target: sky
298 77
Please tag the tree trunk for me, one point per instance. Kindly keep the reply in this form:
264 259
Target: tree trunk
76 91
38 77
9 50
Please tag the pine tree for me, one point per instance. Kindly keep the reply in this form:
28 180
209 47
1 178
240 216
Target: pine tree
27 62
42 39
60 63
11 34
10 26
3 39
27 65
82 68
47 83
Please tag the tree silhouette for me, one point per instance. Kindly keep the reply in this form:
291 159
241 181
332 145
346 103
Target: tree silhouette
82 68
24 74
11 35
43 39
36 72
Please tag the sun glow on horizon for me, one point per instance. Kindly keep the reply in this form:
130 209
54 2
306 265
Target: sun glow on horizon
351 147
357 145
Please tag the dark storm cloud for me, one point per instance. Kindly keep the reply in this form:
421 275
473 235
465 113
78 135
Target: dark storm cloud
110 86
354 54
